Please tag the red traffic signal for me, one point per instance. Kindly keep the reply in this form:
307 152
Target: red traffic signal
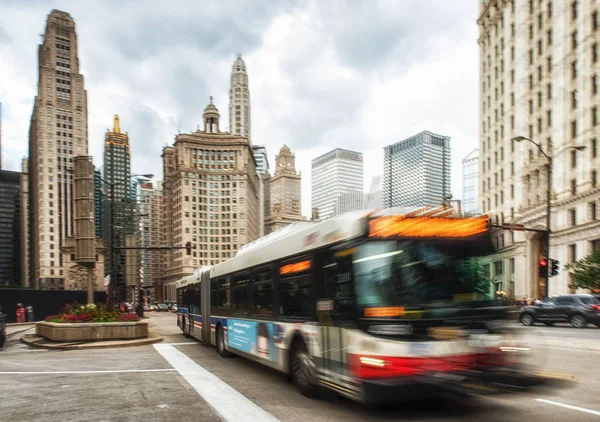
543 267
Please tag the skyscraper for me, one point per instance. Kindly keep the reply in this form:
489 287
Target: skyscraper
333 174
117 161
57 133
374 198
286 204
416 171
98 201
470 173
150 206
262 161
25 224
239 100
540 79
211 198
119 207
10 228
262 167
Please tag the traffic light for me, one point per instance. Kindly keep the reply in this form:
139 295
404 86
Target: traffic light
188 248
543 267
554 267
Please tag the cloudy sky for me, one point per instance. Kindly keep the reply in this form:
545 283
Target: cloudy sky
323 74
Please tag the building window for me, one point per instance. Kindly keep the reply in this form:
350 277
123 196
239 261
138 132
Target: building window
593 213
595 20
594 178
573 128
511 265
594 116
574 99
573 217
573 186
574 68
572 253
573 159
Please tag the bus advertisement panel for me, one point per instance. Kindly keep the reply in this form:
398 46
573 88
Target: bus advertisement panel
256 338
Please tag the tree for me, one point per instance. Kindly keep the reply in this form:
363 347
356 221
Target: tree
586 272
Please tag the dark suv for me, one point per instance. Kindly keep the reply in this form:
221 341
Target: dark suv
578 310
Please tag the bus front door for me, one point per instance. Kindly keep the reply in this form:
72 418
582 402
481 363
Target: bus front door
334 309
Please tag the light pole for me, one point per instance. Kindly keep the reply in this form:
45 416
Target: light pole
112 247
549 164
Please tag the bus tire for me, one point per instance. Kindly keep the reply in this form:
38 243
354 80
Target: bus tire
302 369
220 340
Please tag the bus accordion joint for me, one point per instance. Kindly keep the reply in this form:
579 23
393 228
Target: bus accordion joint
402 226
296 267
385 312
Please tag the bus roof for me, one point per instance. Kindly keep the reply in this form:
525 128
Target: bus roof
299 238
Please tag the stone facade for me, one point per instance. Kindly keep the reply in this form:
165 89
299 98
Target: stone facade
93 331
285 187
58 132
540 70
211 199
76 274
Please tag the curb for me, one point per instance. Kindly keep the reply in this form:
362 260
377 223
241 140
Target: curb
11 324
41 343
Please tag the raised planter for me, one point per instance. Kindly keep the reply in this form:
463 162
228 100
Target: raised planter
92 331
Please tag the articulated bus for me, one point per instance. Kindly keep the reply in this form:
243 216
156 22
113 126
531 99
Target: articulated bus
376 306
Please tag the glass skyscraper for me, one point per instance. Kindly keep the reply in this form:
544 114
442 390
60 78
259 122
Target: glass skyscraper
416 171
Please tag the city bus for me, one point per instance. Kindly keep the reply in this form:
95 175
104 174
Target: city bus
374 305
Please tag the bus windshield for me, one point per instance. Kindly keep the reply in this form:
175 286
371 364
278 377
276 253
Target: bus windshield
416 273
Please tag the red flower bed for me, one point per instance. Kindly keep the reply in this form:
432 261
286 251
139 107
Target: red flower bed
76 313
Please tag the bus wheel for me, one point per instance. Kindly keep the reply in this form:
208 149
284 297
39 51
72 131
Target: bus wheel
224 353
303 370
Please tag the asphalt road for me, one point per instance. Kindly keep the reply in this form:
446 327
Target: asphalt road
176 379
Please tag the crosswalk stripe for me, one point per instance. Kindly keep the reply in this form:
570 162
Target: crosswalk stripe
227 401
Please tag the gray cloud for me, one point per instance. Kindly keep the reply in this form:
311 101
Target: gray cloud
323 74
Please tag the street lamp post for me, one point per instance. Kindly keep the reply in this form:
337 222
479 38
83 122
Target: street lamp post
549 165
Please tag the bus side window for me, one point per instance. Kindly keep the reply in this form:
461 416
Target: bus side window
263 293
334 276
214 296
240 292
196 299
296 289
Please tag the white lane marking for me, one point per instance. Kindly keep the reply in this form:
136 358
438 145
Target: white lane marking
117 371
185 343
224 399
568 406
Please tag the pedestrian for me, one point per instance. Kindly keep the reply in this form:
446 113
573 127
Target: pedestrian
30 317
129 307
20 313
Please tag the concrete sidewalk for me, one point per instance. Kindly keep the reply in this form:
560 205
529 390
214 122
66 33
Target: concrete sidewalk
14 328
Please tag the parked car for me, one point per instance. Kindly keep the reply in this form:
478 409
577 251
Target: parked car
578 310
174 309
162 307
146 308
